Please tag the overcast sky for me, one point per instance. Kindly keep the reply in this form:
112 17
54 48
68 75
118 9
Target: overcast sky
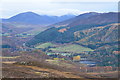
56 7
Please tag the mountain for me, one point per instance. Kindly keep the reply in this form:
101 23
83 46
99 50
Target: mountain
90 18
65 34
103 18
80 17
33 18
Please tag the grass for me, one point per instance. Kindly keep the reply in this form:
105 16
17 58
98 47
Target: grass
60 63
14 57
9 62
71 48
45 45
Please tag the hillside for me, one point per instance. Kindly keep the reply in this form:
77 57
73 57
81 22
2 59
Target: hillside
13 29
35 64
98 36
65 34
33 18
103 18
90 18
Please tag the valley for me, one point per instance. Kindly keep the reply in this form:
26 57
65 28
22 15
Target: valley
82 49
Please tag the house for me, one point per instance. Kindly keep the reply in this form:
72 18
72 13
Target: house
76 58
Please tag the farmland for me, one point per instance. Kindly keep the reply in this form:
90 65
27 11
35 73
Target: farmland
45 45
71 48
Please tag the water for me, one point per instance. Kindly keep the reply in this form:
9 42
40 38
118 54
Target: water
88 62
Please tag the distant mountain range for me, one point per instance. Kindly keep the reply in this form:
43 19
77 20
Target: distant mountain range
64 32
33 18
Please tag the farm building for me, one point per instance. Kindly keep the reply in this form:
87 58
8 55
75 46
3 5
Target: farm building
76 58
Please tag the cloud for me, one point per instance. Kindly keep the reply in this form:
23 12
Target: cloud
59 12
85 0
54 7
21 1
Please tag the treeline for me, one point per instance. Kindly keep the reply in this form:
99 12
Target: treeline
52 34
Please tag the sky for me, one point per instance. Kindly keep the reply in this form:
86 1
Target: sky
9 8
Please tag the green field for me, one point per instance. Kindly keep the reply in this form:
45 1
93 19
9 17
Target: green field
71 48
45 45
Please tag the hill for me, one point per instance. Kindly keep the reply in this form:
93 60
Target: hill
33 18
65 34
98 36
90 18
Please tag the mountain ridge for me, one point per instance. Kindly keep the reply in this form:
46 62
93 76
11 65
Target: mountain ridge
34 18
89 18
